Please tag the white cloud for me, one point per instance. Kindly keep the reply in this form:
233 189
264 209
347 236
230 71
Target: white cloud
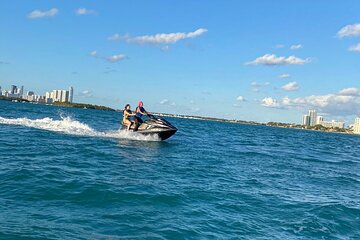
273 60
167 102
352 30
240 99
291 86
84 11
285 75
85 94
257 84
118 37
116 58
164 101
355 48
296 46
344 103
160 38
269 102
94 54
350 92
279 46
165 48
41 14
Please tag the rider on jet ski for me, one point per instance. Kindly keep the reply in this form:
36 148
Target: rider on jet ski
140 111
127 113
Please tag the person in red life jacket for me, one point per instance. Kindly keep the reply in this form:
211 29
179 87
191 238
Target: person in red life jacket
139 112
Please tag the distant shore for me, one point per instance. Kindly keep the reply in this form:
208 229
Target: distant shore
62 104
319 128
82 105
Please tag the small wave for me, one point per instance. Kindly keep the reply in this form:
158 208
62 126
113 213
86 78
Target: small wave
70 126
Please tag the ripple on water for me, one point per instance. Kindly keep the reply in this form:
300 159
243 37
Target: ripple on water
74 177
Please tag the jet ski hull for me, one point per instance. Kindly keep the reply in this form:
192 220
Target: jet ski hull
155 126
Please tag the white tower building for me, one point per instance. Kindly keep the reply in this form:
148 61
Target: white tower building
306 120
319 119
357 126
313 117
71 94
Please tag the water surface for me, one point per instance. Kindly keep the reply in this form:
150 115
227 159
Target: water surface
70 174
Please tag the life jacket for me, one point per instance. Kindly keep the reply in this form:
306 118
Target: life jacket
138 114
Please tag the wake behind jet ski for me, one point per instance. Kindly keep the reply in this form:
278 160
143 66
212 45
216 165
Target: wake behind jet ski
153 126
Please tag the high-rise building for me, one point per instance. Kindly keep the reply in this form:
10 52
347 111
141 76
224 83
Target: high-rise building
306 120
357 126
64 96
71 94
59 95
20 91
319 119
332 124
13 89
313 116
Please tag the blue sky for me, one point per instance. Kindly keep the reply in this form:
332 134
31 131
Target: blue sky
250 60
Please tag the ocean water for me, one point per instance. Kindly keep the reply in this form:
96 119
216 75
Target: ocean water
71 174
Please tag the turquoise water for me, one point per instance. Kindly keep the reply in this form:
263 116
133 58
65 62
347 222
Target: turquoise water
70 174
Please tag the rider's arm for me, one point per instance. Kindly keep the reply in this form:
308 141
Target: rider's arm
143 113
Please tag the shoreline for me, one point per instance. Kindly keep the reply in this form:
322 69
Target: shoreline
60 104
317 128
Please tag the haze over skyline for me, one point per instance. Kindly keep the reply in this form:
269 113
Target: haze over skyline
259 60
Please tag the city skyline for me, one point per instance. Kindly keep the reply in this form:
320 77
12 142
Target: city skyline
31 96
249 61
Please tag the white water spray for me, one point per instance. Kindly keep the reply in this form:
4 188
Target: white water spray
68 125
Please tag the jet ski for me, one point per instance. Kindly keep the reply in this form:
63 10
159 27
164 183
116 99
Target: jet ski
154 126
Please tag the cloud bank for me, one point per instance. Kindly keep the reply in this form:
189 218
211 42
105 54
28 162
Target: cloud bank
116 58
297 46
343 103
84 11
42 14
291 86
160 38
355 48
285 75
273 60
352 30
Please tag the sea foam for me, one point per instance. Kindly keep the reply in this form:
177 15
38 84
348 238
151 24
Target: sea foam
70 126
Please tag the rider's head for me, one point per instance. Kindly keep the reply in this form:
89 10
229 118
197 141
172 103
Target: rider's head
127 106
141 104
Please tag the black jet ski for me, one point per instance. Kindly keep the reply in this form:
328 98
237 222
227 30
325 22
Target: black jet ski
154 126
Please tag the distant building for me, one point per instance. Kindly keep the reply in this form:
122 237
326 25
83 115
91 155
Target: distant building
319 119
306 120
357 126
20 91
71 94
13 89
313 117
310 119
332 124
59 96
15 92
